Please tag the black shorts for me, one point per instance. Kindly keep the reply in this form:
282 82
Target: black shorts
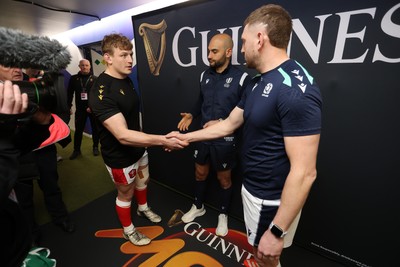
220 157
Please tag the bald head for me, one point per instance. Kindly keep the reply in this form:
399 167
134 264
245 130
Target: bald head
223 39
84 66
220 51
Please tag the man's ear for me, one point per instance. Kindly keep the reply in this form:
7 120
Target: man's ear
107 58
228 52
262 38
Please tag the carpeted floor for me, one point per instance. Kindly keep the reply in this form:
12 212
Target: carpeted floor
81 180
98 239
90 197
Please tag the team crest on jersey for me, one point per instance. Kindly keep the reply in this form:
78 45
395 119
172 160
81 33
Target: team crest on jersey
267 90
228 82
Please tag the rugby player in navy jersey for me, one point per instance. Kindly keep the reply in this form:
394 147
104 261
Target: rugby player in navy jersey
221 87
281 116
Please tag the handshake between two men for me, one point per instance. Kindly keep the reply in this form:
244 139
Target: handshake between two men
211 130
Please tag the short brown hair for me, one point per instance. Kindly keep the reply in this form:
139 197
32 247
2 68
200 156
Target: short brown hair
277 21
115 40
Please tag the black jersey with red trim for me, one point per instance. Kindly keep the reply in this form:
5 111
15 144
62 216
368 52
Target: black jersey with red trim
282 102
108 97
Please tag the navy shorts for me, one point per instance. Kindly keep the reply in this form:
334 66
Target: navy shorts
220 157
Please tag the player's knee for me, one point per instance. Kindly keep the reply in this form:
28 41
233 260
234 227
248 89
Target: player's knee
201 175
225 184
224 179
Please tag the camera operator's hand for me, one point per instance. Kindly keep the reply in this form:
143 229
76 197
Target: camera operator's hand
11 99
12 102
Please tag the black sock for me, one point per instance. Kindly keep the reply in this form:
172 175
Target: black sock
200 188
225 199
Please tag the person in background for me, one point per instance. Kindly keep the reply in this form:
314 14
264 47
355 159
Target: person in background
116 106
221 87
79 85
281 118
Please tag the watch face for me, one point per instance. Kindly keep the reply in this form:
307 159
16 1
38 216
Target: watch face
276 231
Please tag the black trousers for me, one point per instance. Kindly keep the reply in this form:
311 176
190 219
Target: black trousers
81 116
46 160
16 239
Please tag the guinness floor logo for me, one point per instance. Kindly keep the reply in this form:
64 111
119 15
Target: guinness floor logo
182 245
154 43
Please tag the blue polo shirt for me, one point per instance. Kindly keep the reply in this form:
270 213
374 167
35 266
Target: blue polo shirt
282 102
219 94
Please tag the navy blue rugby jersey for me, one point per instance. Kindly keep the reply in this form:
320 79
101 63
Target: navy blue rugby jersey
282 102
219 94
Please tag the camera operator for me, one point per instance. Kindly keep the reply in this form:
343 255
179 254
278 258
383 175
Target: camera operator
16 138
25 126
41 164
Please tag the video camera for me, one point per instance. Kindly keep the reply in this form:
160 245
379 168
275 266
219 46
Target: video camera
19 50
47 92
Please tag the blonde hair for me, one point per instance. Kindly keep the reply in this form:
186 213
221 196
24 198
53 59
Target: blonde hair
115 40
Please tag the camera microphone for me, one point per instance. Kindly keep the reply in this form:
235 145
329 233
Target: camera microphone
21 50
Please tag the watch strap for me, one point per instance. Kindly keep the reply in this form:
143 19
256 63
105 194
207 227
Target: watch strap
277 231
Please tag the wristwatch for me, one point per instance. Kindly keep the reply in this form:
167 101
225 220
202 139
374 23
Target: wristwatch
276 230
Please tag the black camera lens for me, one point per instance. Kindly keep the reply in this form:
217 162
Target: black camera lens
47 92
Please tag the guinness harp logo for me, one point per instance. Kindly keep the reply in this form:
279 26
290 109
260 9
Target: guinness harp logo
154 44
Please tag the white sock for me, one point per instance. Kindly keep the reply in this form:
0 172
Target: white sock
129 229
143 207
